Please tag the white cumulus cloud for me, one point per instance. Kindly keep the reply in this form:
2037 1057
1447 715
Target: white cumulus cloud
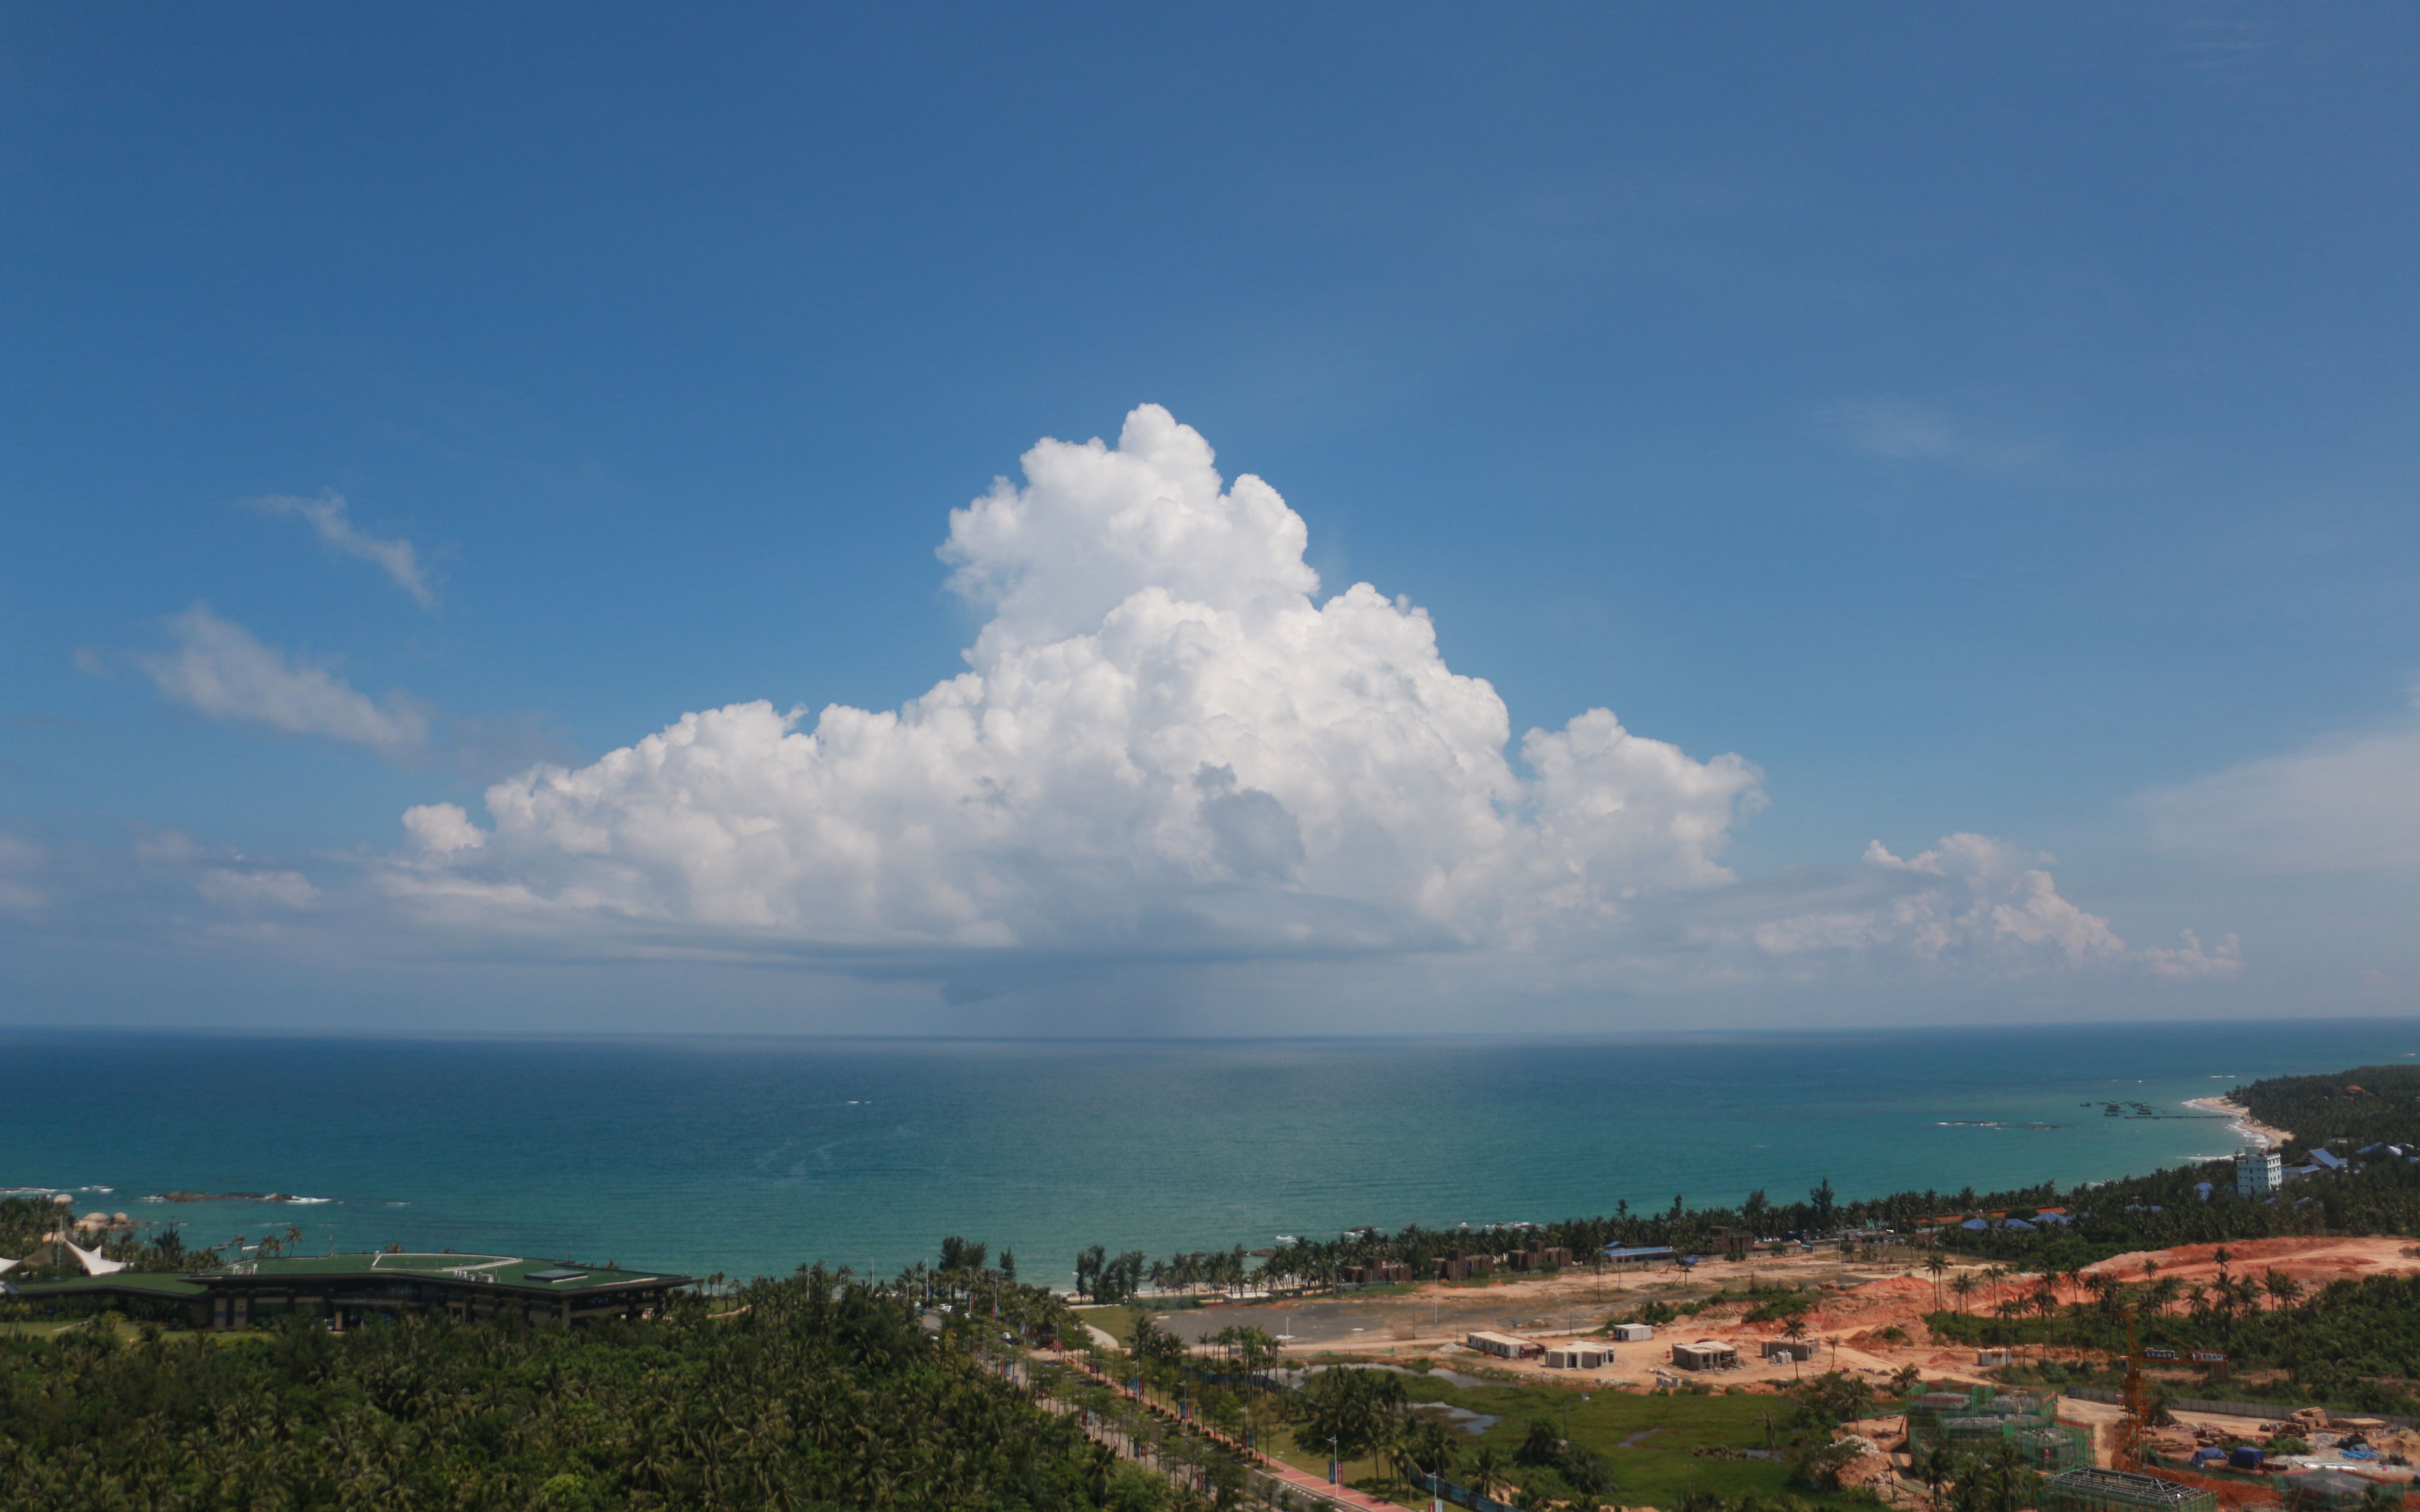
1971 903
1165 743
220 669
443 828
1168 746
2189 962
1992 895
329 517
1970 898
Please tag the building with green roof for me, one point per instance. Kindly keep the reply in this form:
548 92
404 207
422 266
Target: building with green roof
346 1290
143 1292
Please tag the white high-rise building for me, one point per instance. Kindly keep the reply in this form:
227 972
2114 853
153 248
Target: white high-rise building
2258 1173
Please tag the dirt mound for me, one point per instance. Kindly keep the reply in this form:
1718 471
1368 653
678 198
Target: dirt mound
2307 1258
1895 1286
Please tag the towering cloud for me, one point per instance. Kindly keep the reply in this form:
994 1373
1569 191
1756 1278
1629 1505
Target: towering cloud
1165 743
1168 747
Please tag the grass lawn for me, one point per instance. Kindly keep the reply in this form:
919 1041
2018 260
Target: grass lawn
1116 1320
1645 1439
41 1330
1362 1474
126 1329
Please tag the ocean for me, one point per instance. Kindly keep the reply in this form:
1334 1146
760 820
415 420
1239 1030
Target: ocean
752 1156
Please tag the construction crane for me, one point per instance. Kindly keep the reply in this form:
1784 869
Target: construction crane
2136 1395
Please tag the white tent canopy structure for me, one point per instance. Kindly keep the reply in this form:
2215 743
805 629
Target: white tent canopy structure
91 1259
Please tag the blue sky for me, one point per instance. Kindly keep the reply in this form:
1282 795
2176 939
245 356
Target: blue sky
1989 423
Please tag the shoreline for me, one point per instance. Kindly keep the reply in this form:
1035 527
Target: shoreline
2252 1129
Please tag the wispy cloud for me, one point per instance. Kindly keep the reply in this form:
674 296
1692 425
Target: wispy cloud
220 669
2224 42
243 890
1902 430
328 516
2347 804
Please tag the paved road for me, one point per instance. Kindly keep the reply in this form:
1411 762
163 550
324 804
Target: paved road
1379 1320
1300 1481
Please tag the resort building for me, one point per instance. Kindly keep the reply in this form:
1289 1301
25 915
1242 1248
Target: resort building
1464 1267
2258 1173
1504 1346
348 1290
2089 1489
1377 1273
1706 1354
136 1293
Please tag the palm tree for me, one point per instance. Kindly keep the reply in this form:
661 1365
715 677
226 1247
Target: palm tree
2247 1294
1429 1446
2046 1305
1487 1467
1938 1465
2282 1289
1938 1264
2009 1309
1961 1285
1993 1275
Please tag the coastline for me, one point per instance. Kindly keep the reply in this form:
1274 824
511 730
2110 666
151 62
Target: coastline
867 1154
2252 1129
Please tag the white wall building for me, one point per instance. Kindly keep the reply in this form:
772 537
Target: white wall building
2258 1173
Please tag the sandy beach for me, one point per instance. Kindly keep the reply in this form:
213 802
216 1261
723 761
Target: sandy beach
2252 1129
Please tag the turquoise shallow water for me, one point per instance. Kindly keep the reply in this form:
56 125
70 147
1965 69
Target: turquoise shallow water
749 1156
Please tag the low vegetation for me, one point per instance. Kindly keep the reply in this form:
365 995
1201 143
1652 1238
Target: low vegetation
2352 1345
812 1391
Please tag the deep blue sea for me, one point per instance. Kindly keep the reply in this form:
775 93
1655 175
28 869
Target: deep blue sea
748 1156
